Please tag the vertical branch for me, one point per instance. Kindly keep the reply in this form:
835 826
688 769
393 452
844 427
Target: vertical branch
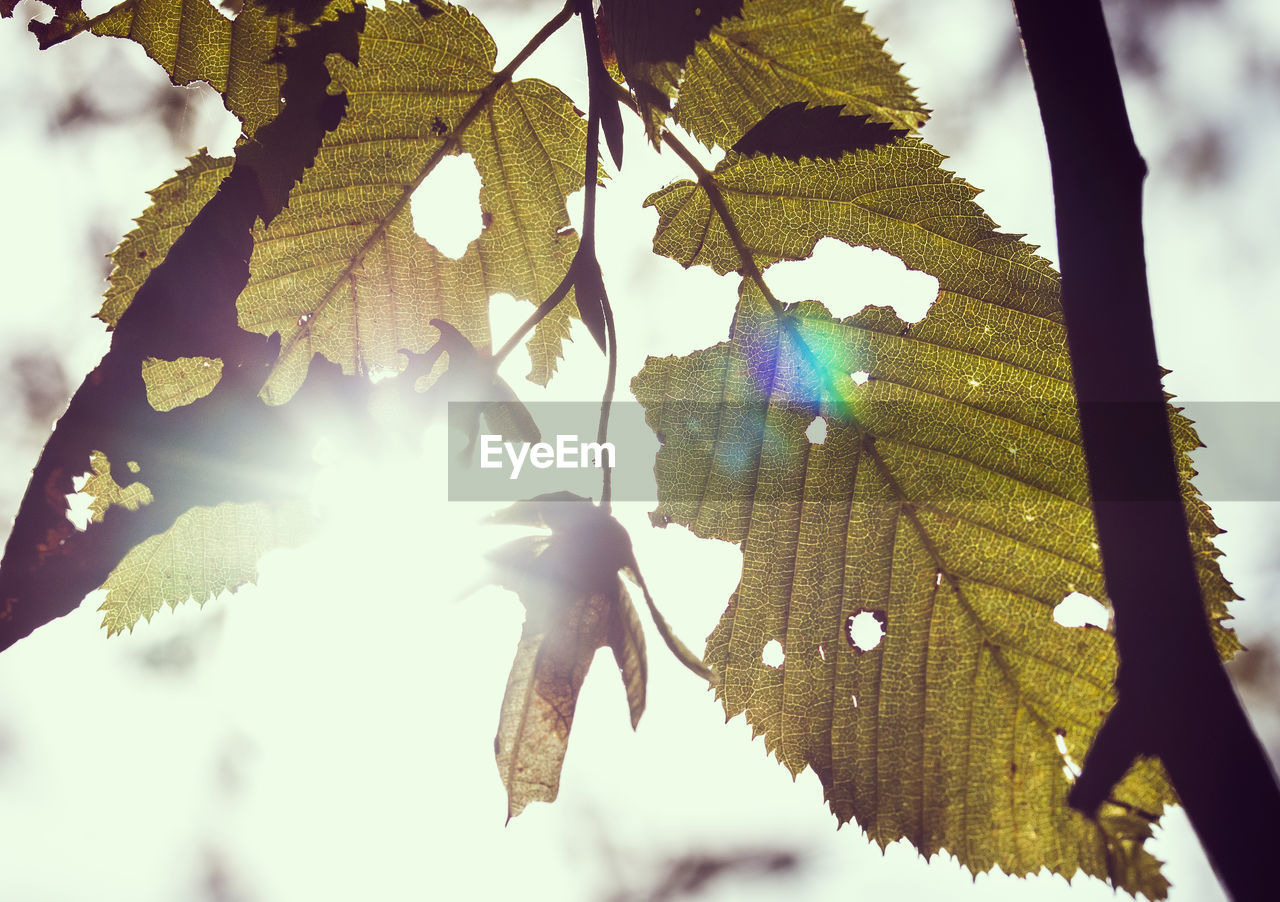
1174 698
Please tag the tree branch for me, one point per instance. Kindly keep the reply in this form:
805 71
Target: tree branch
1174 698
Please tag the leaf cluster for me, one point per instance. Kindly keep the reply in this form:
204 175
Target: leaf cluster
949 498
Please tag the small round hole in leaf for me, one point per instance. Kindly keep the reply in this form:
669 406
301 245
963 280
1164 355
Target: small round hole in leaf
773 655
864 630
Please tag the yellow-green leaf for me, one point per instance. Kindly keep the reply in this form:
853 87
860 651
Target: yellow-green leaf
102 487
782 51
208 550
957 516
176 383
173 205
948 502
342 273
193 42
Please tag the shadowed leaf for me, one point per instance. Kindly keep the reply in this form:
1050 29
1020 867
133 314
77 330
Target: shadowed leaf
783 51
796 131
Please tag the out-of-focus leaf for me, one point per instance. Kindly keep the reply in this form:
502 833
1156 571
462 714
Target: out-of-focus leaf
575 604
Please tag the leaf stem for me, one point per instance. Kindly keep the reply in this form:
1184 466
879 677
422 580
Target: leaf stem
751 270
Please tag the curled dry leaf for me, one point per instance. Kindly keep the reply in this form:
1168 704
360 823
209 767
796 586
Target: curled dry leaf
570 586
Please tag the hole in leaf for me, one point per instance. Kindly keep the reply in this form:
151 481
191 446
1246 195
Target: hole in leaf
78 510
880 278
859 377
1069 766
228 9
864 630
822 653
854 699
1077 610
817 431
446 207
773 655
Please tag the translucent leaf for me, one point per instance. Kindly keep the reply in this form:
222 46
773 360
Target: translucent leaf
783 51
207 551
102 487
948 500
342 273
575 604
193 42
173 205
176 383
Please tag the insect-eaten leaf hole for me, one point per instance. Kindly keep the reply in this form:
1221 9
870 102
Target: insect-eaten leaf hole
1069 766
773 655
877 274
78 503
1078 610
865 629
859 376
817 431
446 206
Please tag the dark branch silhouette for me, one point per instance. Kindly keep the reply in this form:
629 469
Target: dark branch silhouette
1175 700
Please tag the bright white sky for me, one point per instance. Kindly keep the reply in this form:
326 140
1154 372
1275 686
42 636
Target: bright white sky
333 738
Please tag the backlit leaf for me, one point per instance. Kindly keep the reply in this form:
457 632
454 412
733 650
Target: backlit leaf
575 604
783 51
175 383
342 273
207 551
948 500
193 42
174 204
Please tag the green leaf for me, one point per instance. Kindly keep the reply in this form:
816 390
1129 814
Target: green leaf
102 487
342 273
895 198
651 39
208 550
176 383
783 51
949 501
193 42
173 205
